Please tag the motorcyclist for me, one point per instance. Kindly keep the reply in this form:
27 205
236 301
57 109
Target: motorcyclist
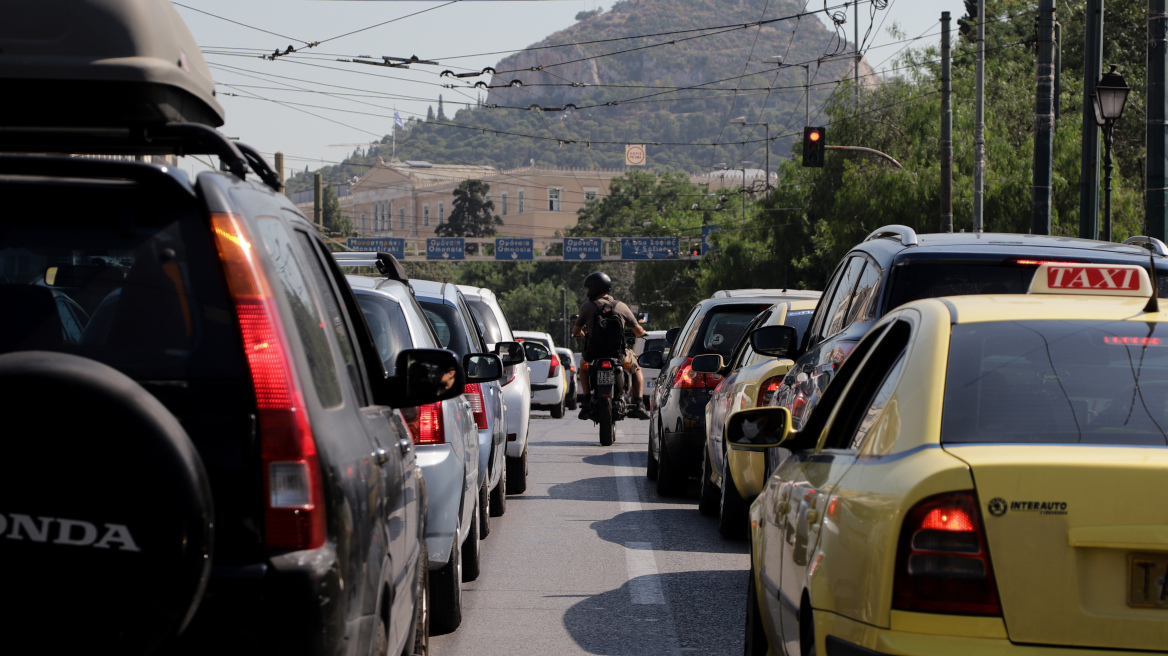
598 285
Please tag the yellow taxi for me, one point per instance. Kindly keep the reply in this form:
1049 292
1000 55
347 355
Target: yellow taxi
731 480
985 475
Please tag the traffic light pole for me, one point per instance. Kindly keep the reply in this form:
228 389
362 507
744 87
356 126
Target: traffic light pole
1089 166
1043 122
1156 193
860 149
946 129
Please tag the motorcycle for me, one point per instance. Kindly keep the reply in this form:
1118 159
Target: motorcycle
608 381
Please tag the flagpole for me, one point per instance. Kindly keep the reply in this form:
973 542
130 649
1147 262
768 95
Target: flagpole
394 133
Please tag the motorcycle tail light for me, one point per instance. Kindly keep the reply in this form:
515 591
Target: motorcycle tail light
606 365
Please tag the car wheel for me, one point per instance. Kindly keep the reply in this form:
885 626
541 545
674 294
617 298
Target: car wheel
710 498
421 642
381 642
571 402
669 482
755 640
485 513
499 497
446 593
558 410
470 550
807 632
517 474
650 461
734 516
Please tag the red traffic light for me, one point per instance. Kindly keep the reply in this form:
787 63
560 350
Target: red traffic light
814 136
814 143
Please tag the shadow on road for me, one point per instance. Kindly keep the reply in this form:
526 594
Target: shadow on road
609 623
682 529
600 488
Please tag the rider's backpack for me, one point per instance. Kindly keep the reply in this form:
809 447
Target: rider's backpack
608 339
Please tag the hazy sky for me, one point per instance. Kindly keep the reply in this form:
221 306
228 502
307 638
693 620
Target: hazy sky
313 134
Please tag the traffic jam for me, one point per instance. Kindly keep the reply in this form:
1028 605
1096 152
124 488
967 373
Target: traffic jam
227 436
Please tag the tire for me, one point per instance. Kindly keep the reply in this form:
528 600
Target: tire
571 401
558 410
807 632
607 426
499 497
734 512
470 550
709 501
446 593
755 641
421 643
650 462
381 641
485 512
669 482
517 474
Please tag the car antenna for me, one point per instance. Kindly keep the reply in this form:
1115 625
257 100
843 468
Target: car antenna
1153 302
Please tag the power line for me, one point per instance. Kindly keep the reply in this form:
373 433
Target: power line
235 22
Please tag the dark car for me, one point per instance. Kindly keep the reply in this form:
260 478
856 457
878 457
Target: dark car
677 421
894 265
202 454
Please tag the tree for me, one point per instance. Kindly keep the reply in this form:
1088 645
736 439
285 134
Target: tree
429 113
441 110
335 220
471 214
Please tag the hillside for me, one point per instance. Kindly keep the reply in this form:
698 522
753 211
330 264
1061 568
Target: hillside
638 91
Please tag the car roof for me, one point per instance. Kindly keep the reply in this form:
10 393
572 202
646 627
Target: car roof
995 243
777 293
479 293
432 289
1038 307
532 333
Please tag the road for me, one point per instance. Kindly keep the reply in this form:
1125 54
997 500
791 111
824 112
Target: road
590 560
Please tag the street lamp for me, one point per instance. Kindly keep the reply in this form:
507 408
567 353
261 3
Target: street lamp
741 120
1109 99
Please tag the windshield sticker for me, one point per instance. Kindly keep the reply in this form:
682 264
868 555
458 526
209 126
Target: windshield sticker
998 507
800 313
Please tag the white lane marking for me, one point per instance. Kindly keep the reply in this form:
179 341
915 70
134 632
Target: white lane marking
626 491
644 581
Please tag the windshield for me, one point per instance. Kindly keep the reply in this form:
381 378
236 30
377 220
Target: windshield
1089 382
655 345
721 329
799 320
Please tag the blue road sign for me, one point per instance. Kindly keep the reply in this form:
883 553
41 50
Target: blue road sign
393 246
649 248
587 248
706 230
446 248
511 249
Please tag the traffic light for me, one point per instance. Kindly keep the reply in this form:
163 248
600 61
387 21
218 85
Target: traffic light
814 143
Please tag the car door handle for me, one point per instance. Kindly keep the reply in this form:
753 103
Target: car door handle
381 455
812 517
405 445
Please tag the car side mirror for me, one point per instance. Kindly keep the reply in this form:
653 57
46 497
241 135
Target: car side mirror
651 360
482 367
426 376
775 341
671 335
511 353
758 429
711 363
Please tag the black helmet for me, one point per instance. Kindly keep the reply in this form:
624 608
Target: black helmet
598 284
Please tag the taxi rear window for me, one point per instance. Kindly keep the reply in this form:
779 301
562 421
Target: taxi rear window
1057 382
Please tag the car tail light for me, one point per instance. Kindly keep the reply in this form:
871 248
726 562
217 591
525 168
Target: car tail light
687 378
768 390
1025 261
474 393
294 508
943 561
552 367
425 423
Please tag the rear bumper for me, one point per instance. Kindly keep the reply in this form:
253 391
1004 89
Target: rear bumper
683 428
547 397
444 476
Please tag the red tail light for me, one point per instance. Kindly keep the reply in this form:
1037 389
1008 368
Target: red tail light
425 423
606 364
943 561
294 511
474 393
687 378
1025 261
768 390
552 368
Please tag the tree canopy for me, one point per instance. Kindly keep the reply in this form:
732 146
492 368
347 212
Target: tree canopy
472 214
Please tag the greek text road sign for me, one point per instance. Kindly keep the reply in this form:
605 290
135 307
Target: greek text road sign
509 249
395 247
635 155
585 249
446 248
649 248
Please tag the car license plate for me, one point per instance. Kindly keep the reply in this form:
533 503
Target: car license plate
604 377
1147 581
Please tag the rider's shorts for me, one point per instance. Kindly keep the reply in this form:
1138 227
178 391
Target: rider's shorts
632 358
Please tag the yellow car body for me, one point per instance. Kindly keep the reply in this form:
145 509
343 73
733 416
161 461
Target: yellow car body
848 539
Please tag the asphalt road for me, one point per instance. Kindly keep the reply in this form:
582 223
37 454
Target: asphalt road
590 560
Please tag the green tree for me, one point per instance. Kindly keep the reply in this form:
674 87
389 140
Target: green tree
336 221
471 214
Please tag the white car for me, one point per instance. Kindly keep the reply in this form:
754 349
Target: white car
654 340
548 382
516 383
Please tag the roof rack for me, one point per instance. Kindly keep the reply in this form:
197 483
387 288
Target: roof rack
387 265
1151 243
908 236
260 166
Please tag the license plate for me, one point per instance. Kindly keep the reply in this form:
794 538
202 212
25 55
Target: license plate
604 377
1147 581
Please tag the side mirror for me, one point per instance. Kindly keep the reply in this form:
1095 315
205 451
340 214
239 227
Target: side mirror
710 363
428 375
671 335
775 341
758 429
511 353
482 367
534 352
651 360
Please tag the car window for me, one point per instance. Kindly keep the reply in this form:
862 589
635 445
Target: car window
835 315
447 322
474 334
388 326
863 307
485 318
798 319
1082 382
654 345
685 336
875 375
721 329
915 280
333 315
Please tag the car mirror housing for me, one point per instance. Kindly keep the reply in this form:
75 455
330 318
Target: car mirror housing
427 375
651 360
759 429
534 352
482 367
511 353
775 341
671 335
711 363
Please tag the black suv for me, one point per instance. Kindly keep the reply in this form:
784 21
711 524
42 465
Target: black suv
201 452
894 265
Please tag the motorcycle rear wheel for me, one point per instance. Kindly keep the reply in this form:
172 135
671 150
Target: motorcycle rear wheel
607 425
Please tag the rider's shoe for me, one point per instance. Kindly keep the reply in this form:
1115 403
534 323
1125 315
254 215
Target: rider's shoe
639 410
585 412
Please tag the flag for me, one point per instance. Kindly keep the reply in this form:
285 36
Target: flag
397 120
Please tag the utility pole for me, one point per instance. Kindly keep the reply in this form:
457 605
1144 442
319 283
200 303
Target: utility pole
979 123
564 315
1043 122
856 47
1156 196
279 160
946 130
318 199
1089 166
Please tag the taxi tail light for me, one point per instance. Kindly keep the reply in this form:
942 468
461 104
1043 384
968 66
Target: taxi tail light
474 393
425 423
294 504
943 561
687 378
552 367
768 390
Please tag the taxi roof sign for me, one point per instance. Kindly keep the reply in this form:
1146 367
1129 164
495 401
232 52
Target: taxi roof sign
1091 280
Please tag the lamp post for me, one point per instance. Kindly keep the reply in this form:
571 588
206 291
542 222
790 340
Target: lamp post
741 120
1109 99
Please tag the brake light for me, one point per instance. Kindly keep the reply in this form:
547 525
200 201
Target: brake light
606 364
768 390
474 393
943 563
294 510
425 423
687 378
1023 261
552 367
